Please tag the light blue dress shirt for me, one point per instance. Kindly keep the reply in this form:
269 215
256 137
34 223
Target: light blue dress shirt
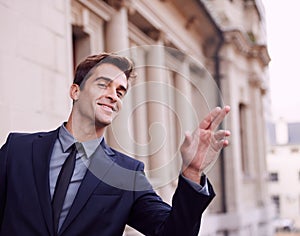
60 153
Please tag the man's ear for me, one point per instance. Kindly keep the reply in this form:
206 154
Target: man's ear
74 92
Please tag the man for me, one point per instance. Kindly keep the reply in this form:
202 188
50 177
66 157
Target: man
106 189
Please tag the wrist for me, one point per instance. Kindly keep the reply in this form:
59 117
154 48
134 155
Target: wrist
192 174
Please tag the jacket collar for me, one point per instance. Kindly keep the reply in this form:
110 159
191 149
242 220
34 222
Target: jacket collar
42 150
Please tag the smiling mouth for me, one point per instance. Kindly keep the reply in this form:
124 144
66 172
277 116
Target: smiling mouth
107 107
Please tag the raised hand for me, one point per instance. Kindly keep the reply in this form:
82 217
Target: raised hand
201 148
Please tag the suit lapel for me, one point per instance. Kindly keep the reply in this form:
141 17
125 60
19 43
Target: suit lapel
100 165
42 150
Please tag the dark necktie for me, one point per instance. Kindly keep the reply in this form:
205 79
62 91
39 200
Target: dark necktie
61 187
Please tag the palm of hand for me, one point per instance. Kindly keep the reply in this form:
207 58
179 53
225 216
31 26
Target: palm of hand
201 148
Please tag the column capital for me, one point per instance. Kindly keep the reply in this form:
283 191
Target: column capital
257 82
118 4
156 35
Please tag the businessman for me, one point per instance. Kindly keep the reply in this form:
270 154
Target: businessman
69 182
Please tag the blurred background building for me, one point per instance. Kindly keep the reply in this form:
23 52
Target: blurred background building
284 173
190 55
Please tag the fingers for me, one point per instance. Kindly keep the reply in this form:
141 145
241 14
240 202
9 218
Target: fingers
219 139
188 138
214 118
206 122
219 118
219 145
221 134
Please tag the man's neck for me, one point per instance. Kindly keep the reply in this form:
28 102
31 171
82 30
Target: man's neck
82 132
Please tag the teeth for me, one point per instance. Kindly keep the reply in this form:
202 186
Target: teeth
107 107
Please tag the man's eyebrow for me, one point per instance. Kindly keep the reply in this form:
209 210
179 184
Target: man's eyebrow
109 80
104 78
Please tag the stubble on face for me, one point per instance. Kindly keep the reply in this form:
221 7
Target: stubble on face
100 100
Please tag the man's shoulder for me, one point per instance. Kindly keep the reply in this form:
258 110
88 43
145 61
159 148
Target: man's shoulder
129 160
19 140
31 134
22 136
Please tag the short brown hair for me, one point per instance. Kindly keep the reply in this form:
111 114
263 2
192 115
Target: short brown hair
87 66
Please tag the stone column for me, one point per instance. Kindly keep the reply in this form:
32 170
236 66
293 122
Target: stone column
120 133
186 116
139 106
157 94
233 175
183 99
117 31
260 140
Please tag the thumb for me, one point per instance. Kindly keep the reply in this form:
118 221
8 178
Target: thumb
188 138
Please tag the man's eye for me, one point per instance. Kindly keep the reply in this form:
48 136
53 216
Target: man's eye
101 85
120 94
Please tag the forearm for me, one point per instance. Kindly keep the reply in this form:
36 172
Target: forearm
152 216
188 206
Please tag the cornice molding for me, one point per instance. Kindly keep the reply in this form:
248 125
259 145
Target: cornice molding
100 8
246 47
118 4
147 10
257 82
137 36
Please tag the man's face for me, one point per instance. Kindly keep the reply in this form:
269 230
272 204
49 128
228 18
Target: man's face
100 99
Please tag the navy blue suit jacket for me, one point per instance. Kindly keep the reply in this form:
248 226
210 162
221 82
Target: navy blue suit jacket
112 194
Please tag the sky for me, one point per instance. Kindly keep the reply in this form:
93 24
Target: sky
283 34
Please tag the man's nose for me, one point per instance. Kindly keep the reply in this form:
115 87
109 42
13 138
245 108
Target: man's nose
111 93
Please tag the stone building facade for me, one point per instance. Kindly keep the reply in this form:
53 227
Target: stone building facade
190 56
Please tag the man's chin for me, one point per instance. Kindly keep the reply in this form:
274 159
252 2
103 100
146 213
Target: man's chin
102 123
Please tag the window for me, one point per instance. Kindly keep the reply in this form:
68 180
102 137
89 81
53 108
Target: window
81 44
273 177
87 29
294 150
272 151
276 201
243 139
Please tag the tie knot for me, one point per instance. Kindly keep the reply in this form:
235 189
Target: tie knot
74 147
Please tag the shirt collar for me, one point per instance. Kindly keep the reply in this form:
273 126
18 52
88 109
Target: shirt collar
91 146
67 140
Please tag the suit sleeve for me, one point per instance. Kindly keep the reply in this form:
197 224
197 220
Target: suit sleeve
3 181
151 216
